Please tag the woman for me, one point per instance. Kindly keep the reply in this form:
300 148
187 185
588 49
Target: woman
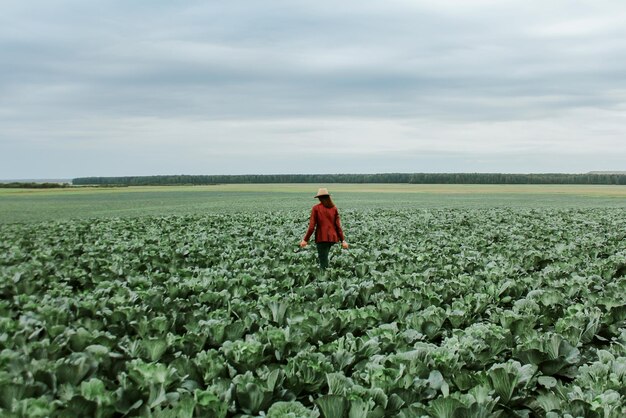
325 222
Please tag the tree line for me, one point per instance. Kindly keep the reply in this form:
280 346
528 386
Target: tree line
32 185
411 178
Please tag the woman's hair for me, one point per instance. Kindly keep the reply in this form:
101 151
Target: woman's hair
326 201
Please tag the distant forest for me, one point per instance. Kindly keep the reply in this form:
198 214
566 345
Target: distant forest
415 178
32 185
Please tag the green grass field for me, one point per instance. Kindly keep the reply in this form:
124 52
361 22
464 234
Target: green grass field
33 205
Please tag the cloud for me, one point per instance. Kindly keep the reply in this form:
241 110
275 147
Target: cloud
360 78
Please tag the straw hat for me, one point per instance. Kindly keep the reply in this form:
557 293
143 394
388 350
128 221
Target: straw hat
322 191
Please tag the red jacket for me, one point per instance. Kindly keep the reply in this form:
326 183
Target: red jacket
325 221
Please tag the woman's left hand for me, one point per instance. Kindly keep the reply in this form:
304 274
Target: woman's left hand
344 245
303 244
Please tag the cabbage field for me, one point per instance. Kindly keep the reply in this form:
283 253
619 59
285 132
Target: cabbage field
477 312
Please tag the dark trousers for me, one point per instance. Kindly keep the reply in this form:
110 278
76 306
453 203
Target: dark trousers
323 248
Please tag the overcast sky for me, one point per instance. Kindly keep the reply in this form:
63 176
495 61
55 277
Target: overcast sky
122 87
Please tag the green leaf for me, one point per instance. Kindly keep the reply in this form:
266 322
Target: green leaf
253 398
307 371
42 407
98 350
244 355
211 364
548 402
547 381
358 408
75 368
437 382
273 379
80 339
395 402
94 390
503 383
157 396
278 309
154 348
10 392
332 406
478 411
435 379
209 404
444 407
338 384
184 408
292 409
413 411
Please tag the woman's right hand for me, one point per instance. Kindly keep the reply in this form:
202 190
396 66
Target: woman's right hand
303 244
344 245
